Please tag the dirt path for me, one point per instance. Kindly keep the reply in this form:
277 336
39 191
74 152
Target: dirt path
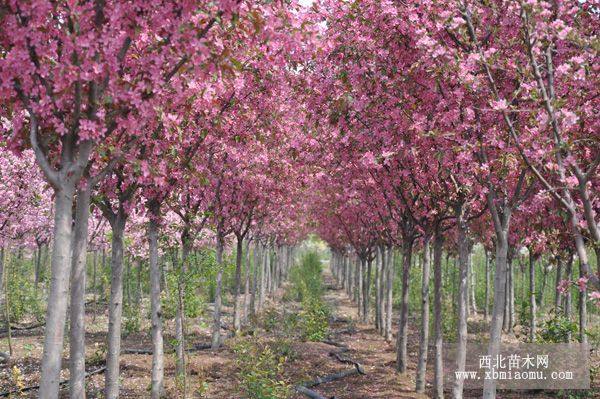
368 348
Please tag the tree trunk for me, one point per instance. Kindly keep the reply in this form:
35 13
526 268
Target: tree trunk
568 299
263 277
238 285
359 286
115 310
38 267
6 308
389 299
216 329
157 390
1 272
56 312
377 288
583 338
367 291
511 296
180 311
424 336
256 264
489 387
557 296
463 265
77 306
540 296
532 301
472 280
402 339
438 379
487 286
246 284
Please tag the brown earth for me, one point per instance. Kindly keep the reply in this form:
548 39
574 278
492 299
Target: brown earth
215 373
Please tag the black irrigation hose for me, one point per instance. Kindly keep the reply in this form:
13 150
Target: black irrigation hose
34 387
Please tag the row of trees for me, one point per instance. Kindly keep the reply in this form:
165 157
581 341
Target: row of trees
445 124
169 120
378 124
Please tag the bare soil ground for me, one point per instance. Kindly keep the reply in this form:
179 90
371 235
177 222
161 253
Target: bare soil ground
215 372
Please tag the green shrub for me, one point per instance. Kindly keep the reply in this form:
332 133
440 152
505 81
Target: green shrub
132 319
24 300
306 277
314 320
260 370
557 329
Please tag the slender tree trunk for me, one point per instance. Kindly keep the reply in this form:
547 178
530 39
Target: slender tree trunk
180 312
157 389
540 297
358 283
557 296
568 298
532 302
378 285
511 296
56 312
402 339
489 387
438 379
246 284
361 289
463 264
1 272
6 309
367 291
139 293
256 264
77 306
583 338
389 294
38 267
216 329
487 286
263 277
237 320
115 310
424 336
472 281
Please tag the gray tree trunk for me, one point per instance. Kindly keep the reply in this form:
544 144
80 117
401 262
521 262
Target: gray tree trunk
246 284
487 286
361 289
489 387
463 266
157 389
438 379
424 336
256 264
237 320
583 337
115 310
511 295
402 338
472 281
367 291
557 296
532 301
56 312
378 284
216 328
263 277
180 311
1 272
568 298
389 294
77 306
